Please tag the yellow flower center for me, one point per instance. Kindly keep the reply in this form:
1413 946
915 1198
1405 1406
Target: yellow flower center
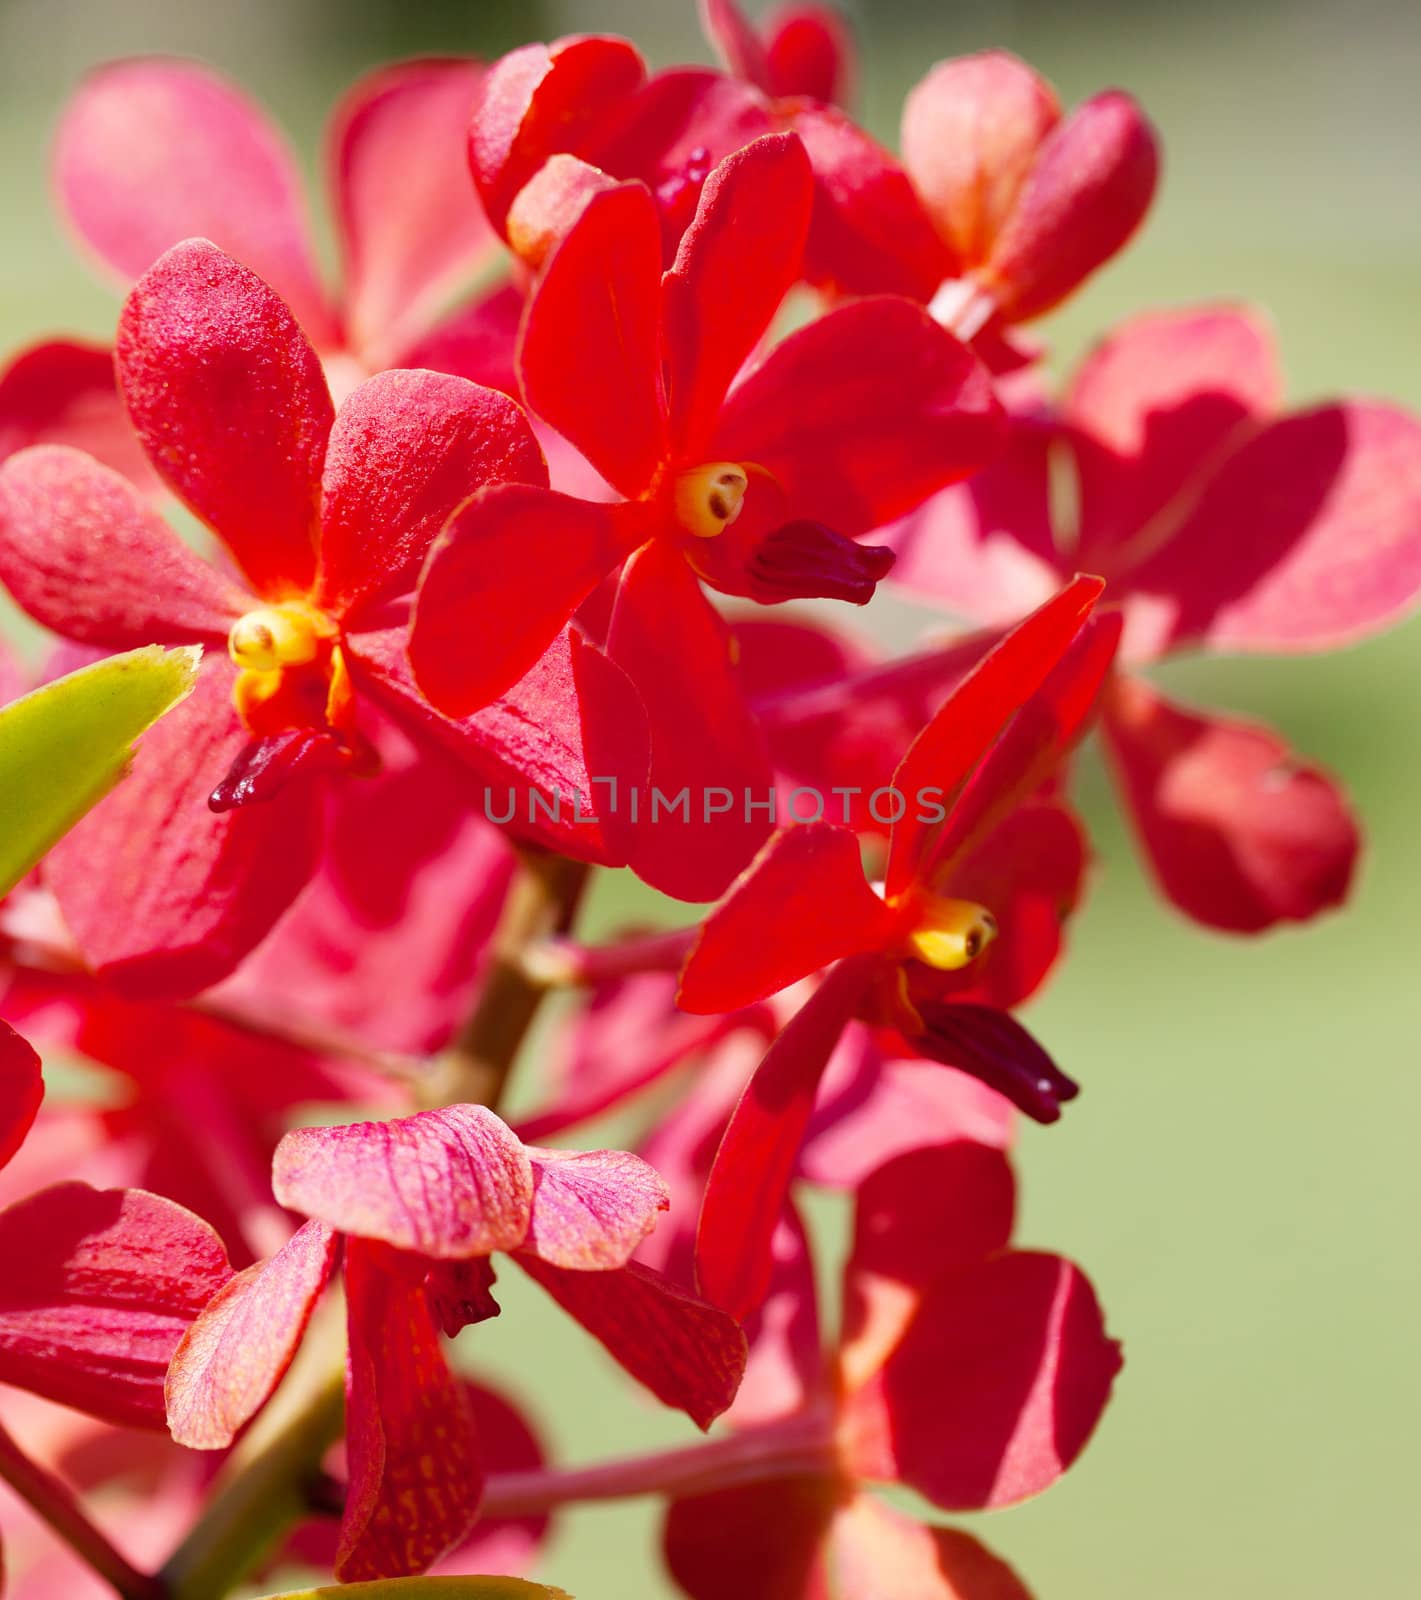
287 635
952 934
709 498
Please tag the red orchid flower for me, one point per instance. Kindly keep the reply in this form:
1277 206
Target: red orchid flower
1221 526
904 957
153 151
761 494
327 516
969 1371
798 51
423 1201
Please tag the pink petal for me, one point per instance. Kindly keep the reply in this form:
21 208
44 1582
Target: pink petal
756 1541
21 1091
549 205
151 152
785 1371
735 41
995 1388
688 1354
745 1192
503 581
163 896
736 262
800 905
235 1353
416 1466
1241 834
410 219
1156 405
591 1208
478 341
82 552
99 1287
675 648
64 392
448 1184
407 449
863 414
869 1538
231 404
972 129
1308 537
590 352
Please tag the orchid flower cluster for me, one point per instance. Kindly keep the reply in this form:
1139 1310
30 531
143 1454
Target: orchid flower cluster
485 551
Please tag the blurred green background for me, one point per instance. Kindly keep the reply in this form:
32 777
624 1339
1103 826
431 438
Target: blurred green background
1240 1176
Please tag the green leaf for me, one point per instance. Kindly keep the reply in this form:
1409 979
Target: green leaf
430 1589
65 746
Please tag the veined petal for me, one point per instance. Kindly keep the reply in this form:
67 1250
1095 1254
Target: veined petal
869 1538
99 1287
503 581
85 554
411 224
750 1177
1241 834
590 351
972 717
407 449
64 391
21 1090
994 1389
676 649
235 1353
231 404
591 1208
688 1354
416 1467
801 904
449 1184
163 896
863 414
736 262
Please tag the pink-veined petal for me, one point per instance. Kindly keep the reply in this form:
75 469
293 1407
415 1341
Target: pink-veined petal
64 391
154 151
801 904
233 1356
82 552
1241 834
449 1184
591 1208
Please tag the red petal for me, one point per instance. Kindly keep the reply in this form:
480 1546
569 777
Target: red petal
548 206
1240 833
674 646
65 392
750 1178
802 903
21 1091
591 1208
449 1184
541 101
972 129
590 354
163 896
785 1372
869 1539
734 40
502 582
231 404
810 52
1307 538
410 220
737 261
407 449
687 1353
476 342
99 1287
234 1355
863 414
760 1541
973 716
1155 406
416 1468
995 1388
1086 194
153 152
82 552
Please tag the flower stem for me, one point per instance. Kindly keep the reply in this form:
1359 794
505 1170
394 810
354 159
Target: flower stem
56 1503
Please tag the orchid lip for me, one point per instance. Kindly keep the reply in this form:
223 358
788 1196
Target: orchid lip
807 561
